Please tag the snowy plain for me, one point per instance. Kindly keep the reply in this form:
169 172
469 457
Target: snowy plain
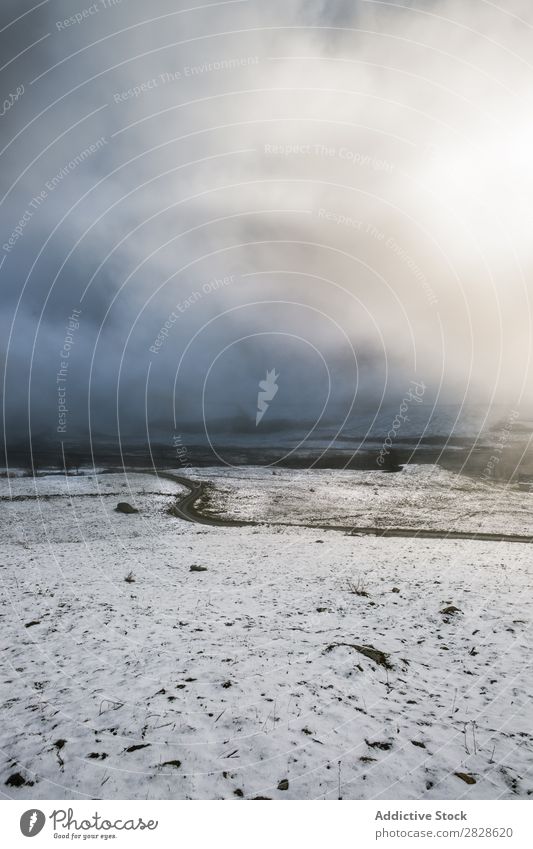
302 663
420 497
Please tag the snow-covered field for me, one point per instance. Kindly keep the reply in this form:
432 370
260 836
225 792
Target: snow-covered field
248 679
420 497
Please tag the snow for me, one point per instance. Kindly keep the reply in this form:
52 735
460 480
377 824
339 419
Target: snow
419 497
79 508
211 684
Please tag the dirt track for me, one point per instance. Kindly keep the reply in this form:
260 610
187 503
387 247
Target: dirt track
185 509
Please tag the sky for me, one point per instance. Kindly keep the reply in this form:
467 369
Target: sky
193 197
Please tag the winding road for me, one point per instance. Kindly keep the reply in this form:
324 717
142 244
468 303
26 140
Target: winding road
186 508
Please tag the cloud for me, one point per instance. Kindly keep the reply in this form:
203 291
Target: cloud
361 175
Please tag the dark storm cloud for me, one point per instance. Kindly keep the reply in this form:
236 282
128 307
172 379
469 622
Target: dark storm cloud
358 172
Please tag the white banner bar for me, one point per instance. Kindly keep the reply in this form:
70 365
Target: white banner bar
273 825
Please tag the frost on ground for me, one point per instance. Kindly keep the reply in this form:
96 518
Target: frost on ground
420 497
300 664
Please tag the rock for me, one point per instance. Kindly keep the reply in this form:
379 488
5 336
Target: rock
124 507
378 656
17 780
238 793
195 568
284 784
226 684
379 745
395 590
464 776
